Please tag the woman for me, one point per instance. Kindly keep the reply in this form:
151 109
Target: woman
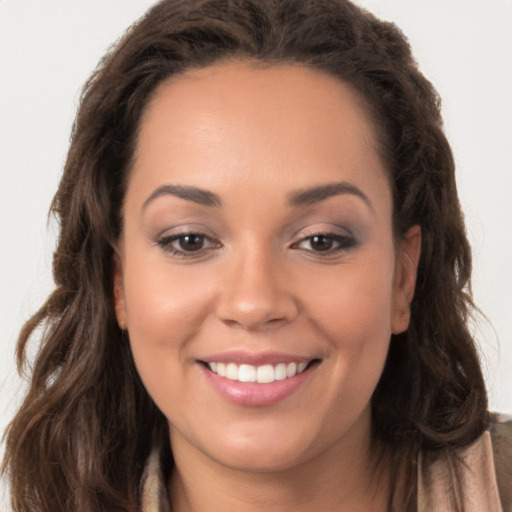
261 280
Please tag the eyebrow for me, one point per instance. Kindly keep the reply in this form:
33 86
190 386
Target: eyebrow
189 193
309 196
303 197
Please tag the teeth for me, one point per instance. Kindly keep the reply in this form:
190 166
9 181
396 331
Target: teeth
264 374
221 369
291 370
246 373
280 371
232 371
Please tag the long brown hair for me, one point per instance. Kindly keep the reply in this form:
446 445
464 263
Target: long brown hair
81 437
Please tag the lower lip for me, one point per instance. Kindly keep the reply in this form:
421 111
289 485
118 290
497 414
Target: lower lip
256 395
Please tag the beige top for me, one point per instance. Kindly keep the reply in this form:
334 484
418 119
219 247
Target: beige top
478 476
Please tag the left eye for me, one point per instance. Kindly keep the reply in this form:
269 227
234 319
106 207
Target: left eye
325 243
186 243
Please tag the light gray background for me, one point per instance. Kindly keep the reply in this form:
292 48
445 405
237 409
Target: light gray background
49 47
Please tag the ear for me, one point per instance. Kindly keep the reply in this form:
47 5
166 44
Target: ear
118 289
405 279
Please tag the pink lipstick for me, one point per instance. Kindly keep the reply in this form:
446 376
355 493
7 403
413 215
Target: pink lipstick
256 379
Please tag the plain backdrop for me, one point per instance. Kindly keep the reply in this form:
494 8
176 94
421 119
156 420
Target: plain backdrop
49 47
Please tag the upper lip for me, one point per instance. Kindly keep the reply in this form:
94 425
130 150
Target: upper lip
254 358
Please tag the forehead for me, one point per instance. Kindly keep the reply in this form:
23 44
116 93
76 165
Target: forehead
241 86
256 122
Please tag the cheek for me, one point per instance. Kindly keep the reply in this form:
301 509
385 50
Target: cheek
158 296
359 332
165 309
353 304
353 312
165 312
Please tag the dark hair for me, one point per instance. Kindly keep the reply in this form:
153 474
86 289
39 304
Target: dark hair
84 431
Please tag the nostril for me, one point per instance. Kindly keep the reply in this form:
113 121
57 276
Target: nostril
257 312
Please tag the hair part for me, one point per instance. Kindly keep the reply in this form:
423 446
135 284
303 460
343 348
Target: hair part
83 433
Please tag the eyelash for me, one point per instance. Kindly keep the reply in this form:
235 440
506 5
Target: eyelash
342 243
338 244
166 243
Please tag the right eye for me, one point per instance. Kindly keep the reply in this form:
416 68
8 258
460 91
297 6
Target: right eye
187 244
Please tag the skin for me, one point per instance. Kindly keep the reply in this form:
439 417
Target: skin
255 136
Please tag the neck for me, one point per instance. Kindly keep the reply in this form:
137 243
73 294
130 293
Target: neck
342 478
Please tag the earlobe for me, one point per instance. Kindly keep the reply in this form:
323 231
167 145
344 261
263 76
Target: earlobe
118 290
405 279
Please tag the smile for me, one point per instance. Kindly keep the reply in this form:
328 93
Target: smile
264 374
261 383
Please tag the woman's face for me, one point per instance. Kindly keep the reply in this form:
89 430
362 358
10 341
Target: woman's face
257 246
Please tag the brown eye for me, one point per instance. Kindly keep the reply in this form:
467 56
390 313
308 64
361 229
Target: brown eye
327 243
192 242
187 244
321 243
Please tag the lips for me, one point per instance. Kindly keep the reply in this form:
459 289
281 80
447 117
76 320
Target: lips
257 379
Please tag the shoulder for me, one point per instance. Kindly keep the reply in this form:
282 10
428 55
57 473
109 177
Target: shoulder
500 428
484 472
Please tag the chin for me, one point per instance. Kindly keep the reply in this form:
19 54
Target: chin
256 459
261 449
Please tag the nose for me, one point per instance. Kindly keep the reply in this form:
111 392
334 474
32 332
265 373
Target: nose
256 293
